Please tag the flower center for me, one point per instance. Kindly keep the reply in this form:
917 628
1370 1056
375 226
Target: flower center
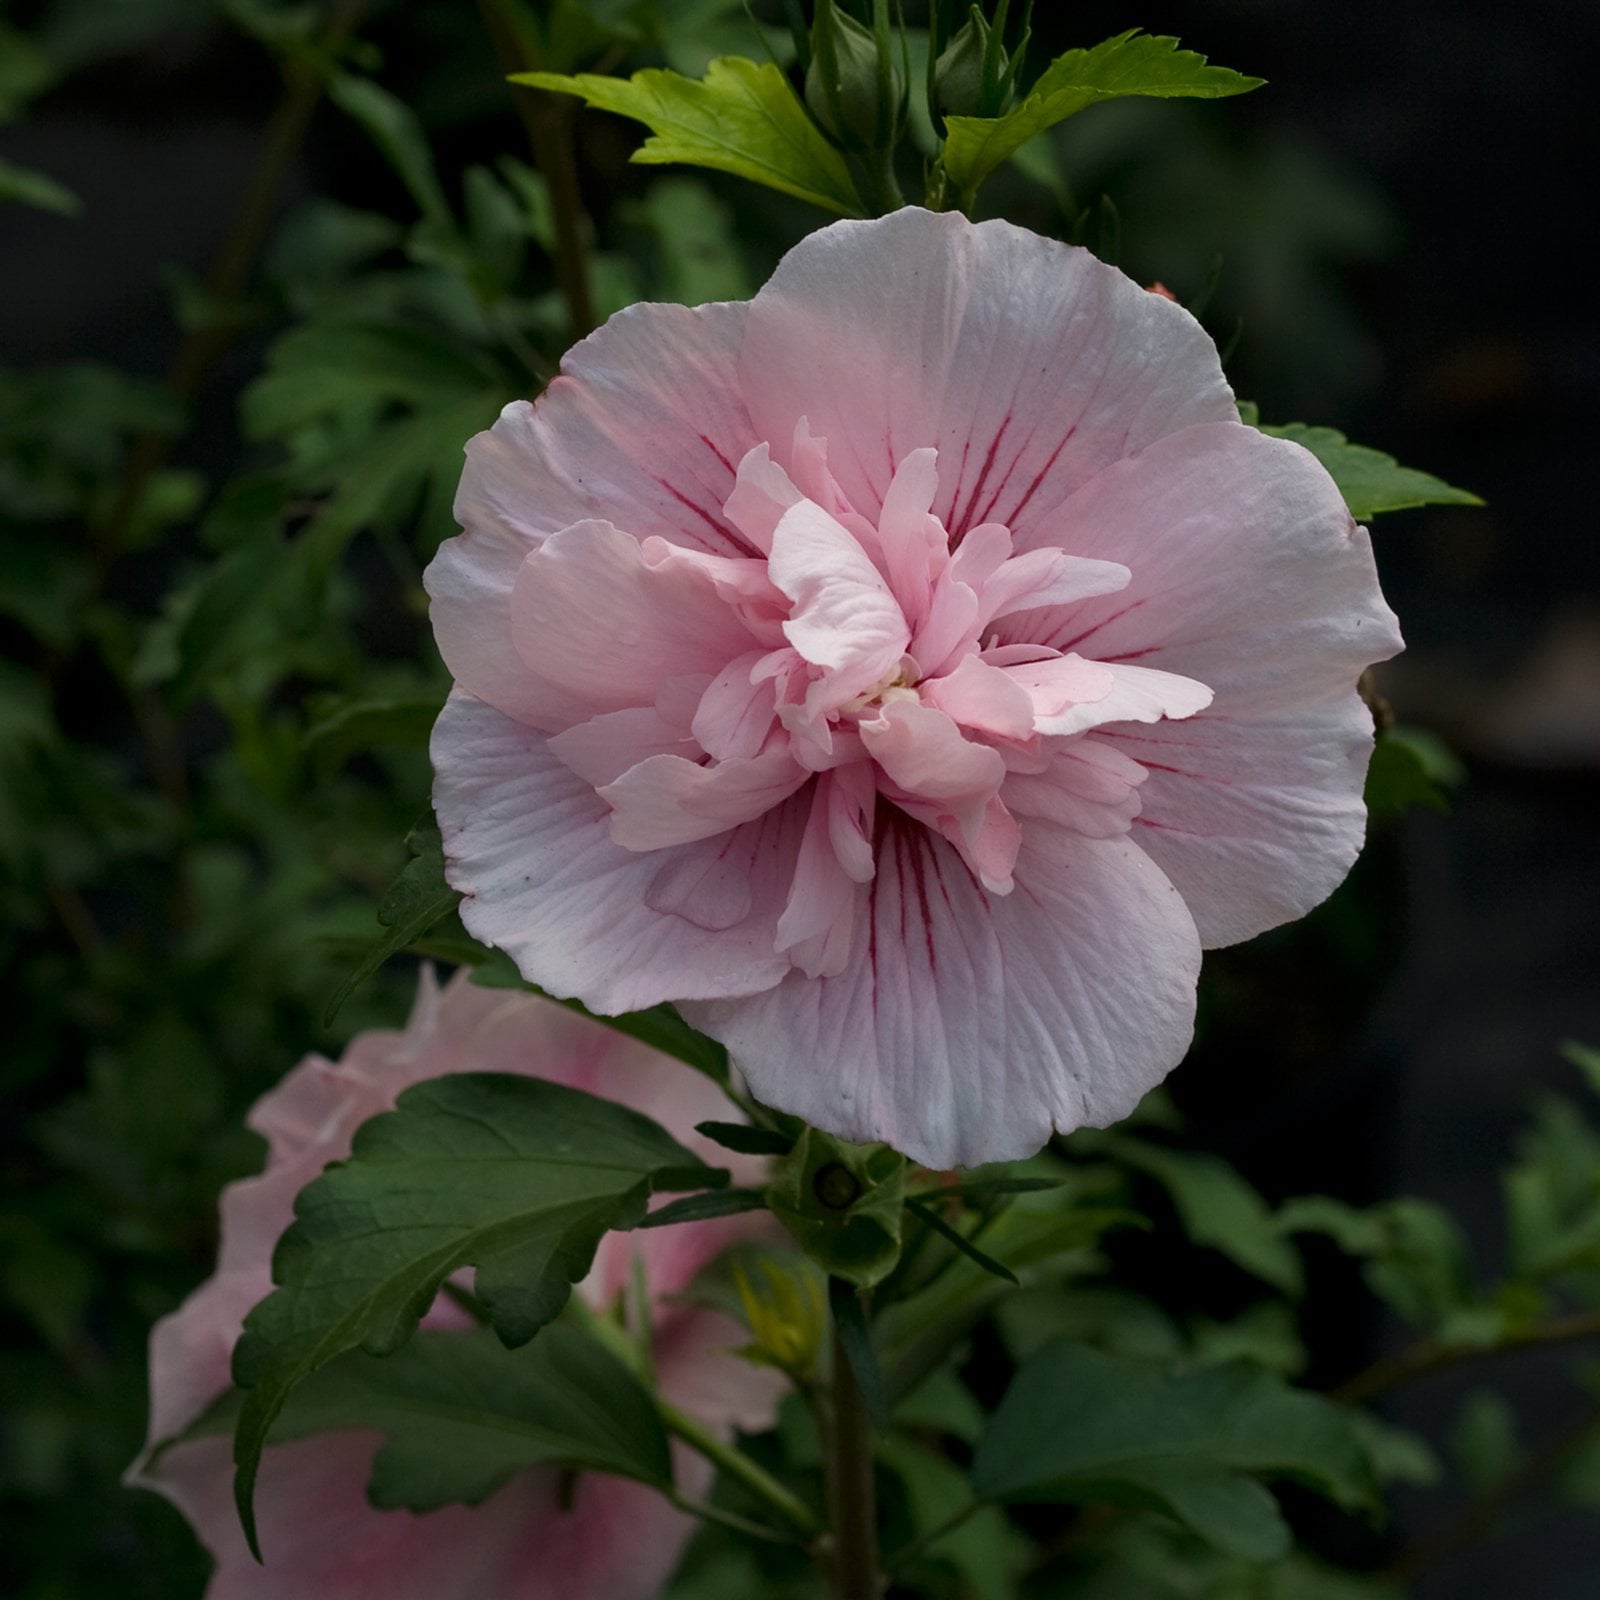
901 685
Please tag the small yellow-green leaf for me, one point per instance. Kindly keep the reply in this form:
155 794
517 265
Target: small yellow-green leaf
1133 63
742 117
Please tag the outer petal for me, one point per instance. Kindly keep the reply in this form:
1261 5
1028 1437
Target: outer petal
529 844
1257 820
642 427
1026 363
616 1541
1250 577
976 1024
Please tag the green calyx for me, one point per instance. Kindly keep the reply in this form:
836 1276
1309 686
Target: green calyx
843 1203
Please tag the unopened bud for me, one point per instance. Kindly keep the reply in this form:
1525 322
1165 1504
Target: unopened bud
845 88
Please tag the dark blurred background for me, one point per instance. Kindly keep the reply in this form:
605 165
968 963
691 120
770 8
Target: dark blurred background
1392 237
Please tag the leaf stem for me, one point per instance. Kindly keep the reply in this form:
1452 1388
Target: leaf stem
910 1551
547 120
852 1497
739 1467
304 81
731 1519
1431 1355
1476 1520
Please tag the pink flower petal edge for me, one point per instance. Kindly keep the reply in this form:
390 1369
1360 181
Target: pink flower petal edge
616 1540
908 673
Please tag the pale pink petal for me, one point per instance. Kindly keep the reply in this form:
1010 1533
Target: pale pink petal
1054 683
1258 820
1252 579
981 1023
844 617
924 753
601 628
1137 694
668 800
323 1541
984 698
529 845
1026 363
817 922
655 385
737 710
762 492
603 748
1086 785
913 545
1047 577
1248 573
852 807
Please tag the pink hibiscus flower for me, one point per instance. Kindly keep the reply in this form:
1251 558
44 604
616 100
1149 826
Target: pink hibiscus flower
613 1539
907 673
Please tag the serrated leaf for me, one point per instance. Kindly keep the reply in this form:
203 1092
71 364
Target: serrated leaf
461 1413
742 117
1216 1207
1370 481
1133 63
1078 1425
517 1177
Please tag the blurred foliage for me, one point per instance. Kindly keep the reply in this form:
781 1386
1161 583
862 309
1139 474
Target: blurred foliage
213 715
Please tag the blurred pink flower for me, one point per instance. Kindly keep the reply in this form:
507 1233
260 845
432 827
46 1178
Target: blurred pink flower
907 672
615 1540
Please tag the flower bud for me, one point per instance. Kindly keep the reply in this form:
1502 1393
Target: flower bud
786 1312
961 86
844 89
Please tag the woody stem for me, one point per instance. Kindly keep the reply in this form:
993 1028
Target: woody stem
852 1501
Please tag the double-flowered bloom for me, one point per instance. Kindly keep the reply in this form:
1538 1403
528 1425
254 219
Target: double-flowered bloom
536 1538
906 673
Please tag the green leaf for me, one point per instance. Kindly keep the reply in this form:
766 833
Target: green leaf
1370 481
394 128
518 1177
663 1029
1417 1260
1585 1058
1078 1425
742 117
1216 1207
843 1202
356 726
461 1413
1409 768
746 1139
702 1207
928 1215
412 904
32 188
1133 63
